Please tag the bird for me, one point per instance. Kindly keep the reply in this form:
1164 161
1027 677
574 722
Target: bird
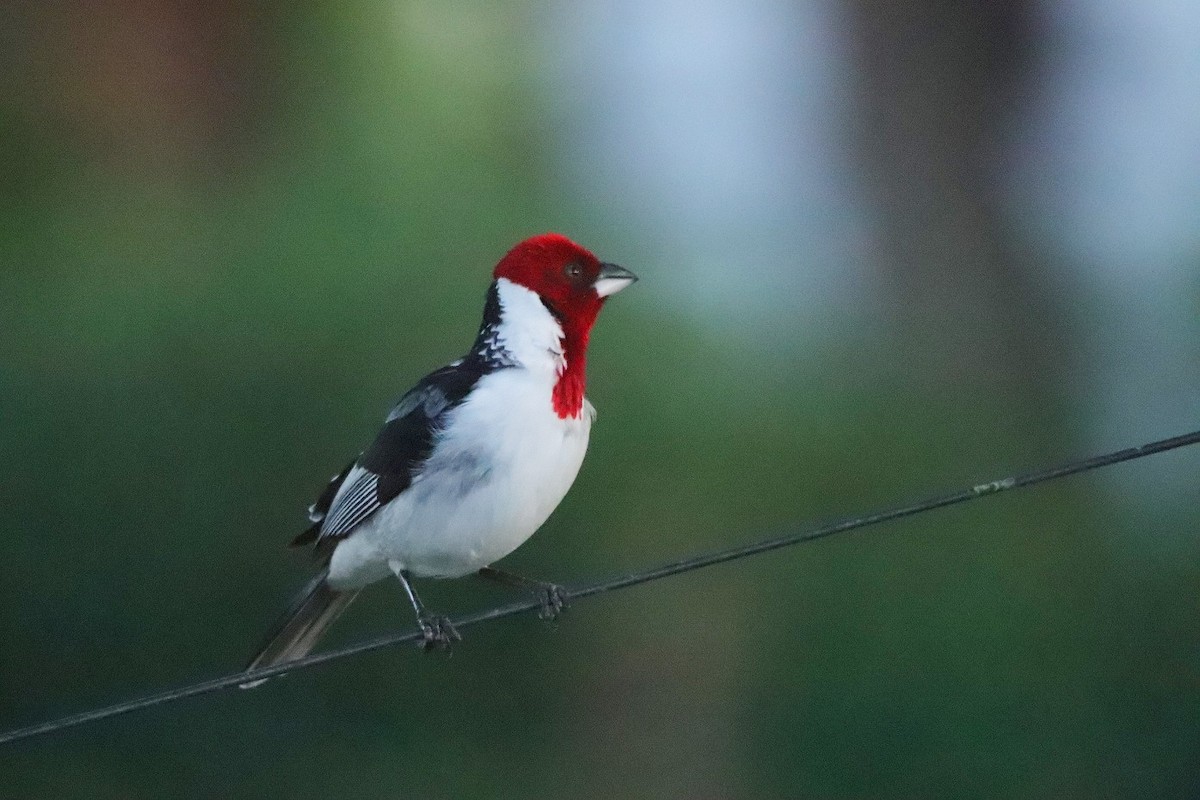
471 461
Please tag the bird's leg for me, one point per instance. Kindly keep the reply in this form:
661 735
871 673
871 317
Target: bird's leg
437 632
553 598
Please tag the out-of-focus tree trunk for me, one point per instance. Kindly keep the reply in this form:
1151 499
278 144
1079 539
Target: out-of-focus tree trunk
940 87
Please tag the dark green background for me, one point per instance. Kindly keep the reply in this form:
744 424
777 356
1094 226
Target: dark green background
209 295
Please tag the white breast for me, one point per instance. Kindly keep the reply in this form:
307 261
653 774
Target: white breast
489 485
502 464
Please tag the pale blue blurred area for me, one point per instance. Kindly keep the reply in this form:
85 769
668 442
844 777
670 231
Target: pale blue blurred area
1114 150
713 130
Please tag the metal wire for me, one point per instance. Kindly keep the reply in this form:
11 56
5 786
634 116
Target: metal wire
614 584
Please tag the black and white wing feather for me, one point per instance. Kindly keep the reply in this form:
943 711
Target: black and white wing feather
408 437
318 510
396 456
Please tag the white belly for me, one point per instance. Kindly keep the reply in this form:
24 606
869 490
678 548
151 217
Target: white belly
487 487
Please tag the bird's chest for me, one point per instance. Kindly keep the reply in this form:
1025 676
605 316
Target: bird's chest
501 466
510 437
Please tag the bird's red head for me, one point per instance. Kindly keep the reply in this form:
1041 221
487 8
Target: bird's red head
573 284
571 281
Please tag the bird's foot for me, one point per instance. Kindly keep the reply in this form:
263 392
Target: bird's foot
553 599
437 633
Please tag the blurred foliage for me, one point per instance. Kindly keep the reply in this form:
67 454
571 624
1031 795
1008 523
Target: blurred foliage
197 332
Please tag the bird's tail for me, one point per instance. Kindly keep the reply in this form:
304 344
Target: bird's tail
301 626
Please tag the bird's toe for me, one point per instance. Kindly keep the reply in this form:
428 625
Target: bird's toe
437 633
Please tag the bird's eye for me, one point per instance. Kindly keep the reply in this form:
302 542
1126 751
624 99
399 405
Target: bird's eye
574 270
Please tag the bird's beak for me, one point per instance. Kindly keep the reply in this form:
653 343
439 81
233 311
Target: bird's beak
612 279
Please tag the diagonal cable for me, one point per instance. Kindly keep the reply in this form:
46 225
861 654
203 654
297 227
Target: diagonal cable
614 584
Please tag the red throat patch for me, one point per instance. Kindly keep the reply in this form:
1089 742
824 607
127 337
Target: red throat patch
572 383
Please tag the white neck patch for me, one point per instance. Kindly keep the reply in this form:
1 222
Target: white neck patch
527 329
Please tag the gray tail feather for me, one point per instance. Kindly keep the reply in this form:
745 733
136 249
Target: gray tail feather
301 626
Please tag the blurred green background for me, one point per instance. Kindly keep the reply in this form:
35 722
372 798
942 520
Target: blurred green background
885 250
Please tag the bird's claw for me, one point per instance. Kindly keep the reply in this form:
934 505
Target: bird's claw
553 599
437 633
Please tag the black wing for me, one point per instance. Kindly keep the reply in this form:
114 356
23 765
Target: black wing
399 451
